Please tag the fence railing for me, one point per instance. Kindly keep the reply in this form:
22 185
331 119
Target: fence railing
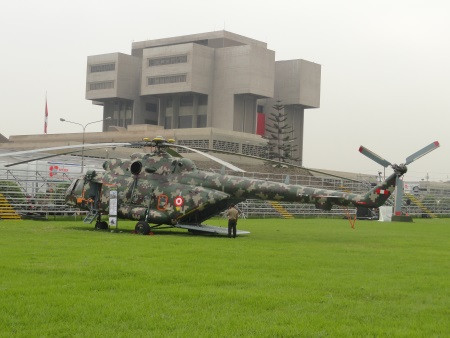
38 194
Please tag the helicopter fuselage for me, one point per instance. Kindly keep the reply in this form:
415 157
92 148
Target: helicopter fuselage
162 189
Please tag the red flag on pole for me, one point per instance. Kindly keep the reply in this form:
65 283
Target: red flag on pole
46 116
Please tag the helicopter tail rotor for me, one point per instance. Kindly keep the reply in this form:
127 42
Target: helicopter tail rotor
374 157
425 150
399 169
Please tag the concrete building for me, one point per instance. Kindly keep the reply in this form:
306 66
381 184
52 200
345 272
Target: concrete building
217 80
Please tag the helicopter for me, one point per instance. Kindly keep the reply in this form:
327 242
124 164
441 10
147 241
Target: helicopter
161 188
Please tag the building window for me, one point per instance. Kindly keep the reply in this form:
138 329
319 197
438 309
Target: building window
101 85
151 107
168 122
151 114
151 121
166 79
167 60
201 121
186 101
203 100
121 112
185 121
106 67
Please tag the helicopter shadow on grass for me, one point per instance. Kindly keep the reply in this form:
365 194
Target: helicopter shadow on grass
156 232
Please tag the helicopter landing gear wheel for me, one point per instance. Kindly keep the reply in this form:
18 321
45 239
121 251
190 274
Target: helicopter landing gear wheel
142 228
101 225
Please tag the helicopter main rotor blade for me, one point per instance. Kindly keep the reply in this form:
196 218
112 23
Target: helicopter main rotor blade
173 152
47 156
211 157
278 162
422 152
374 157
42 150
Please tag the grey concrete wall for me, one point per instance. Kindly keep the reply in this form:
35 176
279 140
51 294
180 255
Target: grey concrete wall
125 76
298 82
202 69
239 70
128 76
101 76
138 46
165 70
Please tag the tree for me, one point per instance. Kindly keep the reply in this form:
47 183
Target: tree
279 135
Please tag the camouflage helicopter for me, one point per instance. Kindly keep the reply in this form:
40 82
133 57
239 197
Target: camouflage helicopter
162 188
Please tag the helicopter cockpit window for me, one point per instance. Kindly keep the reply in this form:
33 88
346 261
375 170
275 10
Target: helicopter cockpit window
187 164
78 189
71 186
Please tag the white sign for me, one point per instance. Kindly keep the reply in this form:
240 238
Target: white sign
113 208
385 213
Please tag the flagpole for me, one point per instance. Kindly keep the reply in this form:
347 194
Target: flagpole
46 114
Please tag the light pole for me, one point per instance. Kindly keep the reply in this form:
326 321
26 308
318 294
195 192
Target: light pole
84 131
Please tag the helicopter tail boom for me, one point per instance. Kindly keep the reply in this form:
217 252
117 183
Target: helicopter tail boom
378 195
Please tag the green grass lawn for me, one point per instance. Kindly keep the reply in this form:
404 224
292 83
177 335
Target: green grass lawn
309 277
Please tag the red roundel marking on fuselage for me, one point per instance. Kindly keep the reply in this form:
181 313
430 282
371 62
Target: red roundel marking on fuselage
179 201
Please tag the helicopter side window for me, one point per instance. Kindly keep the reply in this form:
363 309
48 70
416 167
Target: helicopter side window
162 202
182 165
78 189
174 166
71 186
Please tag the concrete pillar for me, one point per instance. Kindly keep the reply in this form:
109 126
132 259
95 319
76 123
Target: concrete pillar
176 110
194 111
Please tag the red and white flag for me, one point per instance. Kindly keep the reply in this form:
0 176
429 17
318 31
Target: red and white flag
46 116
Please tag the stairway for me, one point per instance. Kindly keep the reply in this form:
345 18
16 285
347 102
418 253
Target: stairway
6 210
418 203
281 210
91 216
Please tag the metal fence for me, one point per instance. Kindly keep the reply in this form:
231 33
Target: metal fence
34 194
39 194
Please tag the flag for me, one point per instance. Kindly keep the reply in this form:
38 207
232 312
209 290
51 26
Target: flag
260 124
46 116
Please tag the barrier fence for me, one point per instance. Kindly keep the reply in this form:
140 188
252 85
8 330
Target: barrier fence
36 194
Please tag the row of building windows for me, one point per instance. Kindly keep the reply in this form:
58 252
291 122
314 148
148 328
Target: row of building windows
106 67
101 85
186 121
166 79
188 100
167 60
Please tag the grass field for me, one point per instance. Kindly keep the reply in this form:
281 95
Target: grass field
311 277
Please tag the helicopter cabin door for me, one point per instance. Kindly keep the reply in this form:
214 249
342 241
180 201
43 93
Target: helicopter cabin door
91 193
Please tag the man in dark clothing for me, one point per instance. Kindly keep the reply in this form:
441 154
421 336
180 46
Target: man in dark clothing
232 214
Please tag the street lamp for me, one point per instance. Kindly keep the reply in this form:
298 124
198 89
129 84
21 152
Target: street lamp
84 130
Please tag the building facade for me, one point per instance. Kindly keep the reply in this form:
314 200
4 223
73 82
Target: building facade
210 80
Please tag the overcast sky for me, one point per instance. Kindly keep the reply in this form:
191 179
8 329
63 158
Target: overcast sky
385 66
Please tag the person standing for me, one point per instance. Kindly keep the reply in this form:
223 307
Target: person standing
232 214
